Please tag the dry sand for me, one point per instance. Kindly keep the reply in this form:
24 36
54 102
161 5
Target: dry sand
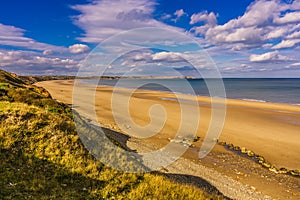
269 129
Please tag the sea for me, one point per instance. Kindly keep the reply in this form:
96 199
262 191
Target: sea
277 90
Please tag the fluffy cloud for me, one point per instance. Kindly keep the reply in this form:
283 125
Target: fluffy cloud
260 13
167 56
286 44
276 33
210 19
179 13
148 56
292 17
264 22
142 56
26 61
294 35
78 48
270 56
244 35
31 58
14 36
102 19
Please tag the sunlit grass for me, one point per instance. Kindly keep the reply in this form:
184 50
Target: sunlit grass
42 157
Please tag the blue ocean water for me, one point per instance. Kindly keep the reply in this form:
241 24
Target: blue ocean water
279 90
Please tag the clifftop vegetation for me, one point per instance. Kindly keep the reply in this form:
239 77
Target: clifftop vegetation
42 156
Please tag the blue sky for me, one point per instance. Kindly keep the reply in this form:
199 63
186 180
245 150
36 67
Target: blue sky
244 38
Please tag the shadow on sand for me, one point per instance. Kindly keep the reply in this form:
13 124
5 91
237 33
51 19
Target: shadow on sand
195 181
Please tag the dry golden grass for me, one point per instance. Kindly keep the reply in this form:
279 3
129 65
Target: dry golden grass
42 157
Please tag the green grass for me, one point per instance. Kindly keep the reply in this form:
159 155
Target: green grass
42 157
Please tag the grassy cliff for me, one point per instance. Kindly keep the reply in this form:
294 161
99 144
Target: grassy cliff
42 157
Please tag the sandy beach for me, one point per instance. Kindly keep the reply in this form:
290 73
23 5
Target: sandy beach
269 129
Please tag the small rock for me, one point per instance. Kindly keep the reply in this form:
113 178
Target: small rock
127 126
294 172
273 169
237 148
163 169
282 170
244 150
197 138
260 159
230 146
250 153
186 145
266 165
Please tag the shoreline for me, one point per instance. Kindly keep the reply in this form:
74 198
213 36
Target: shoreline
279 104
206 99
262 97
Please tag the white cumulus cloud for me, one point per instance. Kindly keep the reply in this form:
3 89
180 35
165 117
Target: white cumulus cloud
31 62
167 56
264 22
78 48
208 18
269 56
